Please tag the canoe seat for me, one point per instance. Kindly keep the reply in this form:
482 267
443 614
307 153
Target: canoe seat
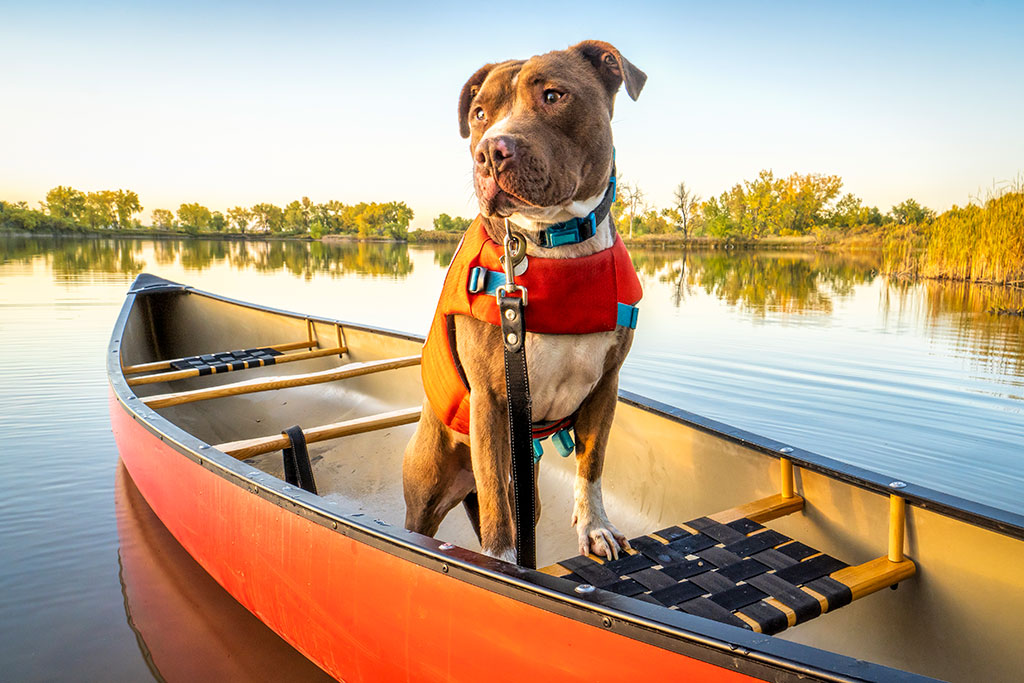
228 360
738 572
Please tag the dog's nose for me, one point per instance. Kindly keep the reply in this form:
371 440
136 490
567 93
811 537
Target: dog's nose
497 153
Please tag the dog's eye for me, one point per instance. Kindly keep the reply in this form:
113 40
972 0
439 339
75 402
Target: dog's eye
479 114
552 96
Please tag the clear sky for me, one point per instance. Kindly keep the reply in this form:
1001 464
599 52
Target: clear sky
234 104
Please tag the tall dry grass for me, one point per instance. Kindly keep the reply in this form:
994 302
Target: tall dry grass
975 244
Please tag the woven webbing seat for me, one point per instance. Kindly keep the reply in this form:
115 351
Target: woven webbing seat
735 571
228 360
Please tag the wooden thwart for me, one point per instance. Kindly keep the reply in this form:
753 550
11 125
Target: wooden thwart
285 382
763 510
166 364
267 444
194 372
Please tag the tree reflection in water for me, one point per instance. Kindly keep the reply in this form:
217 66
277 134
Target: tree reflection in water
759 281
76 255
71 258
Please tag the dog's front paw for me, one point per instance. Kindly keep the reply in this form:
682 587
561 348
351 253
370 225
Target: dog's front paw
600 537
507 555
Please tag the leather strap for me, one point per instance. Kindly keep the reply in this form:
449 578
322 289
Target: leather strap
297 469
517 388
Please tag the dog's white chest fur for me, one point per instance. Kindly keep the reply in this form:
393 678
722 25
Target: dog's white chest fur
564 369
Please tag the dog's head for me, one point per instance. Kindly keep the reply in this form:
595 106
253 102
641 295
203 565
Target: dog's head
540 129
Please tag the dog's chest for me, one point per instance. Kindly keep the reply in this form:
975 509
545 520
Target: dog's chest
564 369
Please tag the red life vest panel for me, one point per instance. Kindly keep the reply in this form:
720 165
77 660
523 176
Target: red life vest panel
566 296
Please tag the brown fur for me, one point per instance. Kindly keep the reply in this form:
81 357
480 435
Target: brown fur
562 155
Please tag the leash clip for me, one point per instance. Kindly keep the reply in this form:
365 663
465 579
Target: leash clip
510 286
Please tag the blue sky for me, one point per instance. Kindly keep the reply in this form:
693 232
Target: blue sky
235 104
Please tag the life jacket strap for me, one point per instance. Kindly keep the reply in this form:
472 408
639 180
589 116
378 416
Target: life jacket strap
484 281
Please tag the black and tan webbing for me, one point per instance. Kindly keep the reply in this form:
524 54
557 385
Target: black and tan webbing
740 573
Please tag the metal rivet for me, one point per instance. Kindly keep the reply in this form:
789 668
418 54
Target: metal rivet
584 589
445 546
444 568
334 525
512 338
510 314
607 622
897 484
785 449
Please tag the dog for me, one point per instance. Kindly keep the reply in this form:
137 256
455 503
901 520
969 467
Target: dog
541 140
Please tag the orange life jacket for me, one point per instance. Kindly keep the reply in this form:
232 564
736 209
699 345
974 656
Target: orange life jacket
593 293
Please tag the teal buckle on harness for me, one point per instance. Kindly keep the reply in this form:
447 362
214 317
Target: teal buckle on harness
562 440
626 316
483 280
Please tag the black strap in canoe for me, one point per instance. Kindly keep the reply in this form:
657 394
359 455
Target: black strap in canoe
517 386
297 469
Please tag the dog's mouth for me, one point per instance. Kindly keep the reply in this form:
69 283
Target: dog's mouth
494 199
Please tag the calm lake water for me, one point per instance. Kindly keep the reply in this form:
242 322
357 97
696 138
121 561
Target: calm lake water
916 381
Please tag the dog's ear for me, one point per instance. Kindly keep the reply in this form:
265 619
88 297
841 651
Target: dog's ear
612 67
469 91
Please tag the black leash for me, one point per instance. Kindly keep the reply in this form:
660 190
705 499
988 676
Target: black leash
520 421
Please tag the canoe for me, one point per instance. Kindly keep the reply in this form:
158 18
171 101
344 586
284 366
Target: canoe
753 559
187 628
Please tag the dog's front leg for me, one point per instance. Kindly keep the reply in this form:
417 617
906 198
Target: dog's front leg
596 534
492 466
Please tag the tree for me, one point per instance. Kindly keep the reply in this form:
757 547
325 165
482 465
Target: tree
239 216
296 216
910 212
127 204
195 218
633 199
686 202
65 202
268 217
218 222
163 219
99 209
446 223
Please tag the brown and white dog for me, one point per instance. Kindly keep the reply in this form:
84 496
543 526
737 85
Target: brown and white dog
540 135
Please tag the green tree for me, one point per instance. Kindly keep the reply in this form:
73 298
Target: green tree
446 223
239 216
163 219
65 202
127 205
217 222
99 209
296 216
268 217
195 218
909 212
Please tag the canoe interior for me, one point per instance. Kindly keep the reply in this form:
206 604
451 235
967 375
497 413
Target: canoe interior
958 619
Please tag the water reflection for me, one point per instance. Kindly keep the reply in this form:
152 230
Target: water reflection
760 282
187 627
964 313
74 256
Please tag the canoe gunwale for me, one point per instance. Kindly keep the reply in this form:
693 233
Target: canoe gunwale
719 644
